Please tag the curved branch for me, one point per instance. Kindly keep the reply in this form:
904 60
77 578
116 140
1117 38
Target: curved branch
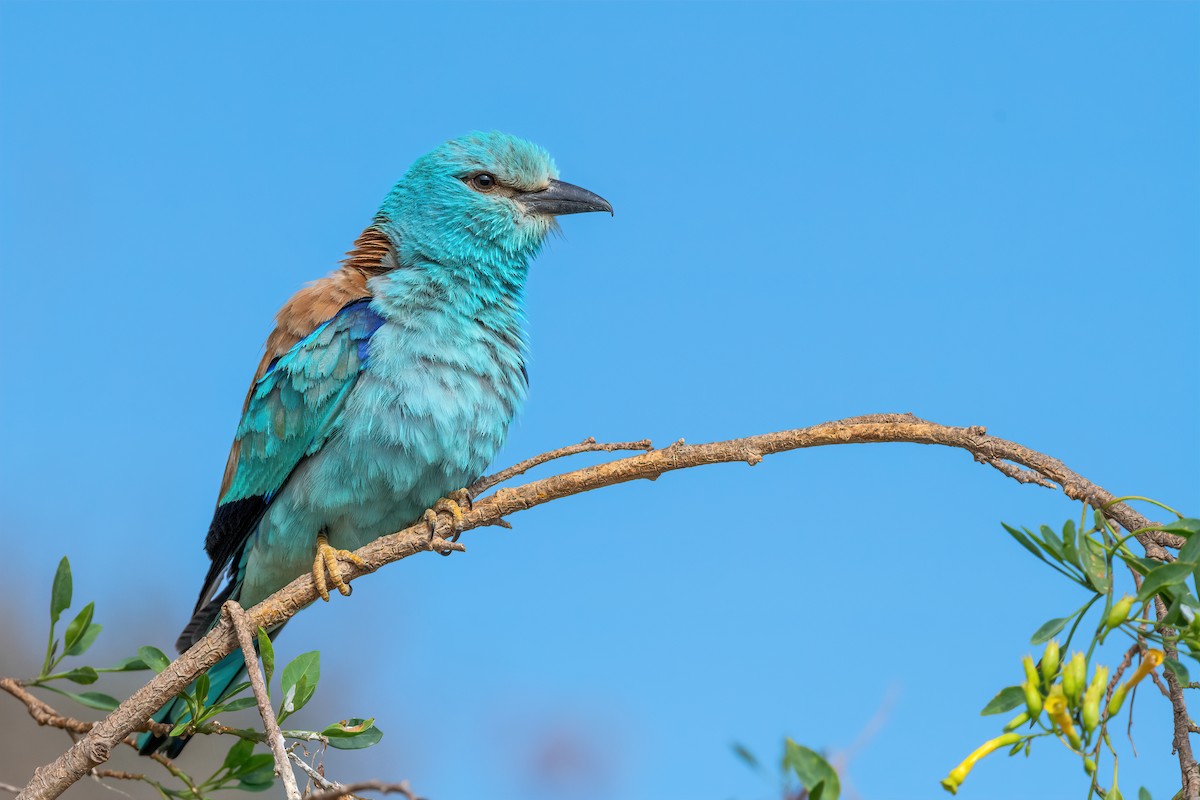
51 780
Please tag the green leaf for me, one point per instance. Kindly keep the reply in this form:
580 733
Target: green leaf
78 627
181 727
266 651
237 704
1048 630
256 773
1144 793
82 675
233 690
1183 527
153 658
241 750
1024 541
299 680
96 700
1181 672
1050 538
1095 565
353 734
1006 699
814 772
1070 549
130 664
1163 577
60 591
89 637
202 687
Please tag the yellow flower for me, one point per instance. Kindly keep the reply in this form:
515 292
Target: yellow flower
1150 661
959 773
1056 708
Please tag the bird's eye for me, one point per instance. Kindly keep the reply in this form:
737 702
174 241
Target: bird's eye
484 181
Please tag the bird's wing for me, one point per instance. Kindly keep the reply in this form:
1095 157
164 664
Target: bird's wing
373 254
292 411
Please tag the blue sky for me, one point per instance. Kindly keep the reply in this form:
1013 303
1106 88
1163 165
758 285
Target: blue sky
980 213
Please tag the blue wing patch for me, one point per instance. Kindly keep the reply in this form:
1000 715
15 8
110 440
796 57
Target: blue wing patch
295 408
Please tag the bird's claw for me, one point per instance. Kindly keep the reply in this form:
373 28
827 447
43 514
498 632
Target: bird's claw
327 561
452 504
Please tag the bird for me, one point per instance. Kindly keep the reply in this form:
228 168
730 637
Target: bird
386 386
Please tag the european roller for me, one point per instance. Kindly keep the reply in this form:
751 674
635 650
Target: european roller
387 385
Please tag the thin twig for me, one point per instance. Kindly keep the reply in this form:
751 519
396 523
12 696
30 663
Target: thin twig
283 769
588 445
50 780
340 791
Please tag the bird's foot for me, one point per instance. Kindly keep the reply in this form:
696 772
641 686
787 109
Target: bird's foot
327 561
453 505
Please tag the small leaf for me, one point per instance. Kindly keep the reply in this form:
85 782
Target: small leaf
1181 672
233 690
1049 629
1163 577
1006 699
241 750
256 773
1183 527
1050 538
181 727
82 675
1095 566
1144 793
202 687
353 734
85 641
299 679
78 627
266 651
1070 549
237 704
254 763
96 700
814 772
153 658
130 664
1024 541
60 592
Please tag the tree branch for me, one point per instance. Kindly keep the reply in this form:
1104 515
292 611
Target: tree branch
51 780
245 637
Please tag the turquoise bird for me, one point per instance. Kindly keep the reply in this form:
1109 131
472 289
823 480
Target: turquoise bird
386 386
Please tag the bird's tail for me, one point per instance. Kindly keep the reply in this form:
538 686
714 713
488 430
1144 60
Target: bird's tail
221 677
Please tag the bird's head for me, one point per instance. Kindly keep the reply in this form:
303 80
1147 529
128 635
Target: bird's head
484 198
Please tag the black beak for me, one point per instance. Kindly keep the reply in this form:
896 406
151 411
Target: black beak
562 198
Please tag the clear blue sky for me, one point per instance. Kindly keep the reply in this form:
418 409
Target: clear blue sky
980 213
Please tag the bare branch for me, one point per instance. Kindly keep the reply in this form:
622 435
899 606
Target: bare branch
51 780
245 638
338 792
588 445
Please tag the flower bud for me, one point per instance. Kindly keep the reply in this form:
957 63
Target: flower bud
1033 699
1074 679
1017 721
1092 698
1119 613
1031 673
1089 766
1050 660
